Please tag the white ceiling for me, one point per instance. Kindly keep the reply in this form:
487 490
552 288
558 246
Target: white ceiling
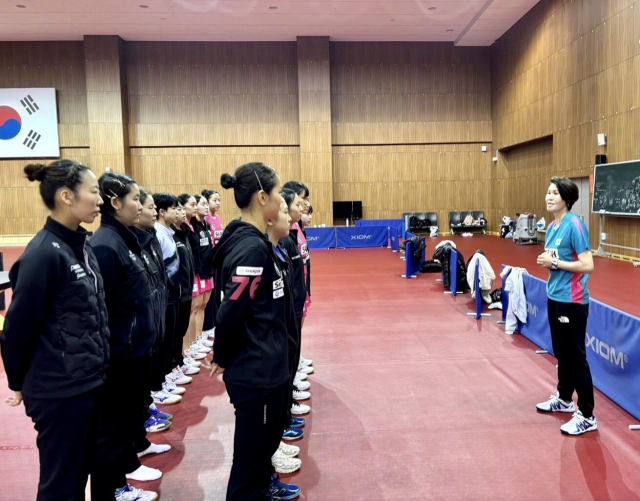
464 22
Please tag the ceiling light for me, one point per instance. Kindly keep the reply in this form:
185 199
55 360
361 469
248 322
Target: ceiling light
432 8
449 30
273 7
391 19
144 6
163 19
21 6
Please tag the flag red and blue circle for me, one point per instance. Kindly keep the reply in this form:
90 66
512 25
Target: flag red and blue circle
10 123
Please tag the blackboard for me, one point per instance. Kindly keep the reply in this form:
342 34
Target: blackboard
616 188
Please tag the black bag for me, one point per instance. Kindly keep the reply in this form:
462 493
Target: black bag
496 296
431 266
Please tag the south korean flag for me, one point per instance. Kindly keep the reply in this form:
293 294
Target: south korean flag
28 123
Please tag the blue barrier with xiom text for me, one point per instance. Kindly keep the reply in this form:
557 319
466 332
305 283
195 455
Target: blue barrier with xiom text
362 236
612 342
321 238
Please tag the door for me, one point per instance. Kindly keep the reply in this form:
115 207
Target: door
582 208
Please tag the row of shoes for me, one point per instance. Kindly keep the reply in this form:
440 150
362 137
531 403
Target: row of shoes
171 393
284 460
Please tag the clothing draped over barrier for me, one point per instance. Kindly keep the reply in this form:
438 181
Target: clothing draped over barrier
612 341
479 304
411 269
362 236
391 223
321 238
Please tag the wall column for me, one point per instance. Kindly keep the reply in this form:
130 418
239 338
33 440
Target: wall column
314 98
107 104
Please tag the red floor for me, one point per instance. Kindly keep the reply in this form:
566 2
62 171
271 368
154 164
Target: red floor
412 400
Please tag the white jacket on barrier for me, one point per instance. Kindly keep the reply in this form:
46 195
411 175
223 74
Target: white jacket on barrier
517 308
487 276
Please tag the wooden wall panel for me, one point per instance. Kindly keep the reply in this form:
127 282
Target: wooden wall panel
570 70
60 65
210 94
394 179
51 64
22 211
190 170
392 92
107 104
314 101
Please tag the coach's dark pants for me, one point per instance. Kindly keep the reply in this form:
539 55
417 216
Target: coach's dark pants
568 324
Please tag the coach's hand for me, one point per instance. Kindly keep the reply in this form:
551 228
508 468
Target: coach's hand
545 260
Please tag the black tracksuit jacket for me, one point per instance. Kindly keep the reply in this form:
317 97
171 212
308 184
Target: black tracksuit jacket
251 320
290 244
129 294
55 342
187 269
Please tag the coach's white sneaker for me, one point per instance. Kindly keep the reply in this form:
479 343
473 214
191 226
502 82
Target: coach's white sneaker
579 425
556 404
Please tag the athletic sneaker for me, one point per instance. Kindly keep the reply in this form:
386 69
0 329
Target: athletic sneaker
144 474
298 422
305 369
128 493
211 334
204 341
299 409
157 413
165 398
154 425
196 346
176 377
172 388
292 433
285 464
301 395
280 490
189 370
191 362
300 376
302 385
579 425
305 361
155 449
556 404
194 354
289 450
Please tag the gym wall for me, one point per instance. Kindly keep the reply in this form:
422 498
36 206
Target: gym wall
565 72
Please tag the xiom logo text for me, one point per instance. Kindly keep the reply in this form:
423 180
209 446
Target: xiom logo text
360 237
607 352
313 239
532 309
